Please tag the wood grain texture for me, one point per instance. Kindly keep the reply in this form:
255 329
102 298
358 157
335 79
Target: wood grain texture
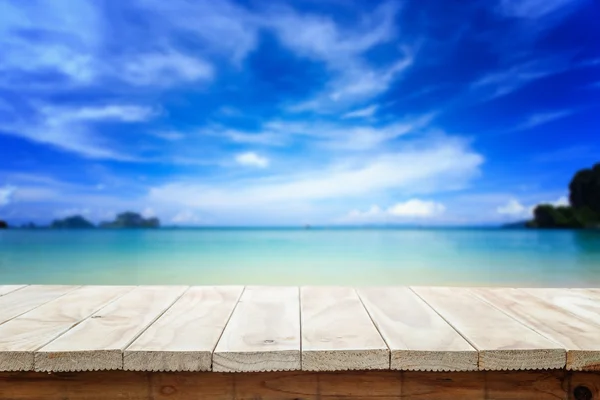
584 303
337 332
183 338
579 336
535 385
418 338
297 385
21 336
584 386
6 289
98 342
19 302
503 342
263 333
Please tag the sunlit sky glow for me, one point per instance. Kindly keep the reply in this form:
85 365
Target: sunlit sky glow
276 113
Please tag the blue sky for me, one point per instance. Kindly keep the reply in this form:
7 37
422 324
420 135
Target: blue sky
275 113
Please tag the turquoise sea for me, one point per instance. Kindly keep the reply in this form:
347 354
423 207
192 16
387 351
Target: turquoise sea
357 256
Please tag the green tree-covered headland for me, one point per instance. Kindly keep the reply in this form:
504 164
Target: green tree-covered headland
584 208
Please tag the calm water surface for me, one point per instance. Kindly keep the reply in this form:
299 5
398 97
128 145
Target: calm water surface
493 257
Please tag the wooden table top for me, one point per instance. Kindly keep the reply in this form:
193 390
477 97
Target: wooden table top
312 328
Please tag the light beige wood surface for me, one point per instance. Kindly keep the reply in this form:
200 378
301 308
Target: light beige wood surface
22 335
337 332
98 342
263 333
503 342
18 302
6 289
183 338
418 338
579 336
581 302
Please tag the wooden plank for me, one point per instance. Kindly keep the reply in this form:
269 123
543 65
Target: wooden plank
535 385
443 385
26 299
337 332
579 336
503 342
110 385
295 385
263 333
581 302
6 289
418 338
98 342
183 339
21 336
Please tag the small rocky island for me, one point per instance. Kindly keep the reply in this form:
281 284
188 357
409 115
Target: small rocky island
124 220
73 222
131 220
3 224
583 211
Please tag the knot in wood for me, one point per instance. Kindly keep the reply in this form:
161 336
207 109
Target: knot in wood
269 341
582 393
168 390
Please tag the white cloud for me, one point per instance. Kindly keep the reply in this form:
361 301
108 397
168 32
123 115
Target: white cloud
186 217
252 160
409 210
342 51
448 165
325 134
363 112
222 26
415 208
148 212
373 213
561 201
512 208
67 45
68 212
68 129
6 194
116 112
165 68
510 79
543 118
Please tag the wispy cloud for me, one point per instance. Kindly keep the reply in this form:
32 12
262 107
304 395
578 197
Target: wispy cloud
543 118
448 165
168 135
68 128
503 82
532 8
363 112
165 68
342 50
323 134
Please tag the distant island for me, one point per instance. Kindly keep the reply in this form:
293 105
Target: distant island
126 220
73 222
131 220
3 224
584 209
